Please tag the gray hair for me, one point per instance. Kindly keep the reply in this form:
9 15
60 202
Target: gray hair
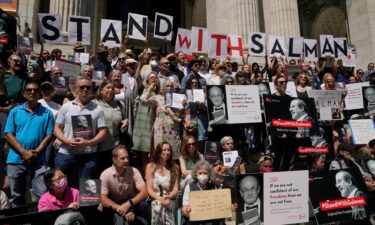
225 139
201 164
82 77
86 66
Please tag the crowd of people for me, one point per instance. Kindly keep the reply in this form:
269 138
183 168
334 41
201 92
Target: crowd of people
112 123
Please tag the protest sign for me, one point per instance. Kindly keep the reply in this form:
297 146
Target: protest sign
362 131
369 99
183 41
290 88
293 71
163 26
79 30
137 26
49 28
24 44
295 117
218 46
326 46
257 43
89 192
329 104
243 104
111 32
286 196
69 69
350 60
195 95
369 165
295 47
341 48
200 38
309 49
229 157
61 84
338 195
276 46
217 110
177 100
209 205
212 151
353 98
235 46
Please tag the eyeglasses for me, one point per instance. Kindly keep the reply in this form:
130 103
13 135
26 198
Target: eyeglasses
166 63
190 144
30 90
123 58
282 82
58 179
85 87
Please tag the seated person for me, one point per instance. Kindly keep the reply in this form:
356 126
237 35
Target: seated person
58 195
123 190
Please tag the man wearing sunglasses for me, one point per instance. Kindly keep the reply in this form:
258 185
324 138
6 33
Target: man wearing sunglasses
15 78
28 130
77 152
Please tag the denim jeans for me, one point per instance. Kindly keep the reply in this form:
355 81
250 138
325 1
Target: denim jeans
17 181
84 165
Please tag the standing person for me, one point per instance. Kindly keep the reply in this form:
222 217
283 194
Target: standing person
167 123
78 148
227 145
303 84
281 84
28 130
123 189
162 181
194 66
15 79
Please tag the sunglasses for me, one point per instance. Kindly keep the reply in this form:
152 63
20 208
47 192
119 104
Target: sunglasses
85 87
190 144
121 58
229 82
32 90
282 82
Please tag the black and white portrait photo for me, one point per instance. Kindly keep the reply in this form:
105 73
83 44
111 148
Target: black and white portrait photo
217 111
89 191
369 99
82 126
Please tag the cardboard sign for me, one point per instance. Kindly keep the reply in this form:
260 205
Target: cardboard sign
209 205
362 131
200 38
218 46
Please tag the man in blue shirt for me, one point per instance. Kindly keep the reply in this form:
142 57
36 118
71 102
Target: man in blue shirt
28 130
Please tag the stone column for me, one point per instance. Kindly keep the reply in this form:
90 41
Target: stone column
244 18
281 18
65 8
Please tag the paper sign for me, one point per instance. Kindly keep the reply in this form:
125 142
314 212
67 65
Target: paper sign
79 30
235 46
200 38
177 100
257 44
309 49
111 32
208 205
218 46
49 28
84 58
326 46
229 157
243 104
362 131
329 104
286 196
353 98
69 69
198 95
183 41
89 192
276 46
137 26
163 26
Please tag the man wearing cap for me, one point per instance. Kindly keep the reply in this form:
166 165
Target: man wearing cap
128 79
194 67
100 62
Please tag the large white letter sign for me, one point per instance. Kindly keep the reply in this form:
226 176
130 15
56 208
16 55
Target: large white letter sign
200 38
276 45
79 30
309 48
183 41
49 28
137 26
218 46
295 48
110 33
257 44
235 46
163 26
341 48
326 46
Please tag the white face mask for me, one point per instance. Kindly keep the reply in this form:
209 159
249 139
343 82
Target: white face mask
203 178
154 63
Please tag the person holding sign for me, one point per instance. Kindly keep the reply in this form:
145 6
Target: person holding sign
166 125
201 175
227 146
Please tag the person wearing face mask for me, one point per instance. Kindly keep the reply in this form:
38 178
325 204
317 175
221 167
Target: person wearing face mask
201 175
58 195
265 164
151 65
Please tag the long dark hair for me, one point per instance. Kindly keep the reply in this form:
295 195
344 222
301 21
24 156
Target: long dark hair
170 165
48 176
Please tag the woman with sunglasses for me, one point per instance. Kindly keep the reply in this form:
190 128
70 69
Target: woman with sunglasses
58 195
227 80
280 83
189 156
303 84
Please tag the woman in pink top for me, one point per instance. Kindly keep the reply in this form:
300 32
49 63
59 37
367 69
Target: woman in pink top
59 195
